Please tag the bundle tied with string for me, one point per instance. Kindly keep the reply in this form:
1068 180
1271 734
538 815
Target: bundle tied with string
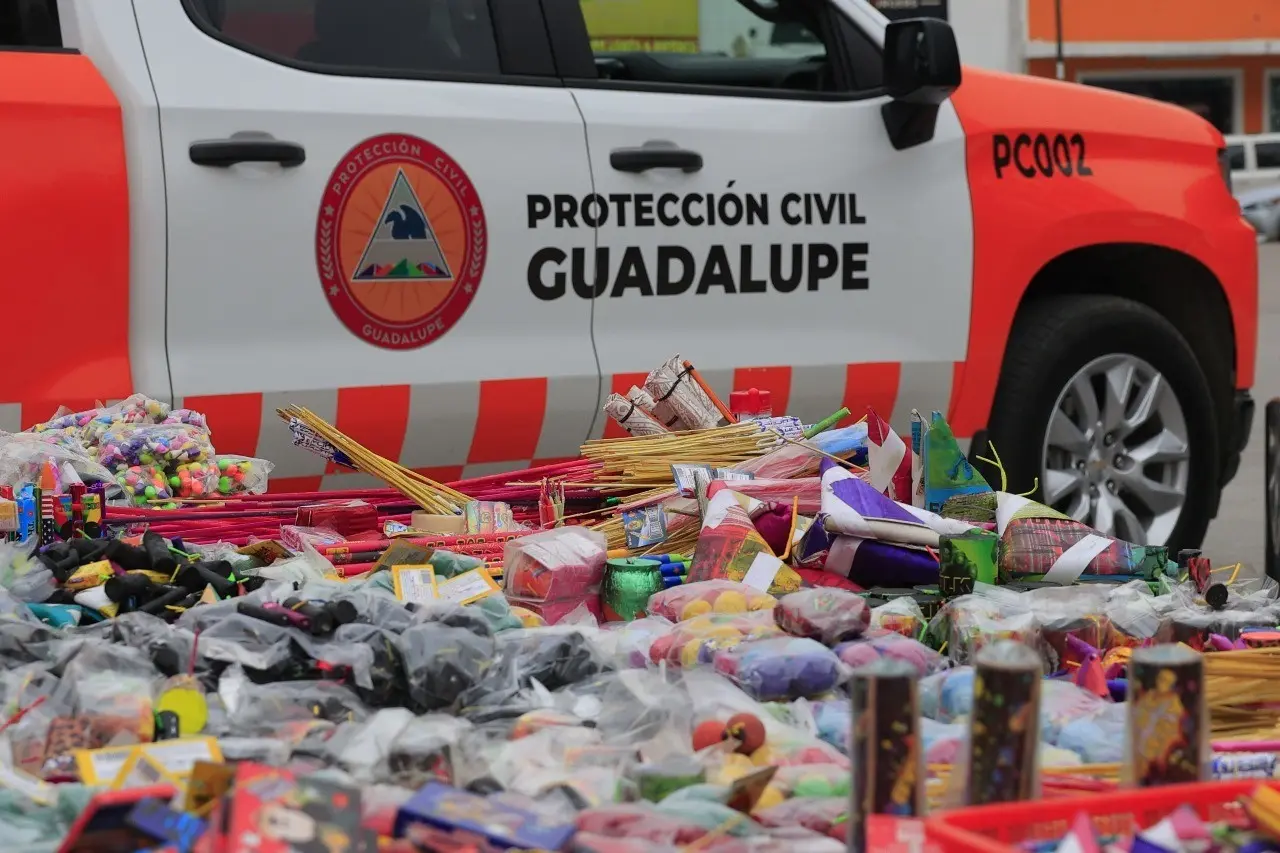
644 462
633 413
679 401
314 433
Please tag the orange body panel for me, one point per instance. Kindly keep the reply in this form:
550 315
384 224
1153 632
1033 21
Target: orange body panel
65 215
1155 181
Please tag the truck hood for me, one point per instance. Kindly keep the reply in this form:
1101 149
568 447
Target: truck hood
995 101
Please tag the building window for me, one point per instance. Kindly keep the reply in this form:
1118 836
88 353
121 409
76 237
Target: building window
1273 101
1213 97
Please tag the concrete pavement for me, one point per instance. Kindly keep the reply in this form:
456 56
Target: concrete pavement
1237 533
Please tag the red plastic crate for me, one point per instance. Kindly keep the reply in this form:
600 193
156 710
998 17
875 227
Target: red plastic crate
1001 828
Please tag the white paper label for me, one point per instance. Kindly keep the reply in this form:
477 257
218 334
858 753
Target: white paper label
107 764
885 460
416 586
1068 568
764 568
467 587
178 757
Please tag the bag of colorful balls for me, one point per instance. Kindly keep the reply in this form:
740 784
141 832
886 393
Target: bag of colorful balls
695 641
164 445
689 600
780 669
221 476
863 651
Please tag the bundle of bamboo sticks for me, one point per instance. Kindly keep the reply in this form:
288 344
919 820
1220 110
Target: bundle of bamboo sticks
645 462
427 493
1242 689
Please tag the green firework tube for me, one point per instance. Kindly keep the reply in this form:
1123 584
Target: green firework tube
1004 726
888 768
628 584
1168 718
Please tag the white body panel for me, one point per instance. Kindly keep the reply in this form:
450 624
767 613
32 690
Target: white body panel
105 31
918 229
246 307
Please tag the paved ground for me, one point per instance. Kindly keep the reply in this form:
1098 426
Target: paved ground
1237 532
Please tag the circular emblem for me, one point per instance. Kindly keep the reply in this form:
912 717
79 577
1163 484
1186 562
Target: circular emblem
400 241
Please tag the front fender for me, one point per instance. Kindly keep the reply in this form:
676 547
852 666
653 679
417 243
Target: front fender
1153 179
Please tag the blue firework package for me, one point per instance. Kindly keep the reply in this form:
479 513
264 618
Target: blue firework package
781 668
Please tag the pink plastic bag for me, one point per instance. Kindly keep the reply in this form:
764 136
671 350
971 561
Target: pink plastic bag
555 565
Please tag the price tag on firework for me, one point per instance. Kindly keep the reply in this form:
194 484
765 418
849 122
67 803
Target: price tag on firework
415 584
467 587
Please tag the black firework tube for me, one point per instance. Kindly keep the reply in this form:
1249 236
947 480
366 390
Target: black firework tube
197 576
342 611
292 617
1168 721
888 771
275 616
322 621
128 557
171 595
158 551
124 587
1004 726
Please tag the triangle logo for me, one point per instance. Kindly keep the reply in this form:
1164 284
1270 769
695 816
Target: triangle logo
404 246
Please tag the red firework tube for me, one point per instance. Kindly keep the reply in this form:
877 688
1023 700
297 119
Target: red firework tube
361 555
353 570
340 494
451 543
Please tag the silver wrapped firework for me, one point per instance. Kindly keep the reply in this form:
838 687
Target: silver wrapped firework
888 768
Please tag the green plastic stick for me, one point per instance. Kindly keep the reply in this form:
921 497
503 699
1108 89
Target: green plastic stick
827 423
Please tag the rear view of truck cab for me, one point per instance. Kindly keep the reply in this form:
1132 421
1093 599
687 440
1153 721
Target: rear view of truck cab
1061 270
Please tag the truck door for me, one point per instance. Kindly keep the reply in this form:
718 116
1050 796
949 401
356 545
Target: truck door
752 211
346 227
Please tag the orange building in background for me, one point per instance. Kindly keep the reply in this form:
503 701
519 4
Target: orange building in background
1219 58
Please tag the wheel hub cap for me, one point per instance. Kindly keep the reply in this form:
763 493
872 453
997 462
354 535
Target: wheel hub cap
1116 454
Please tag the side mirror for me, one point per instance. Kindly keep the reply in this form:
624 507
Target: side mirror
921 70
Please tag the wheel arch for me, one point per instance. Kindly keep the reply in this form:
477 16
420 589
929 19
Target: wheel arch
1174 284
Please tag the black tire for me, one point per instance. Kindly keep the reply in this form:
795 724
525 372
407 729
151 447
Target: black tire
1051 341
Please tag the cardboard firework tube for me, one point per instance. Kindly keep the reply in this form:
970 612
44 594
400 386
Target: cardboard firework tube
888 769
1004 726
1168 740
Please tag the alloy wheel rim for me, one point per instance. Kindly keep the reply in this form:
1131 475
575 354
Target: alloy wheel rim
1116 455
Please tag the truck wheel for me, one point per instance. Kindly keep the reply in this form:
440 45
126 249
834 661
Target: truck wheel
1102 399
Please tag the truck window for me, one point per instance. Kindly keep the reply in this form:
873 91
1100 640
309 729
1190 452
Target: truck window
29 24
771 46
379 38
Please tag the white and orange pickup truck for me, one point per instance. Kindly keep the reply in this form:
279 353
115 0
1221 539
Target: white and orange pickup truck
455 226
